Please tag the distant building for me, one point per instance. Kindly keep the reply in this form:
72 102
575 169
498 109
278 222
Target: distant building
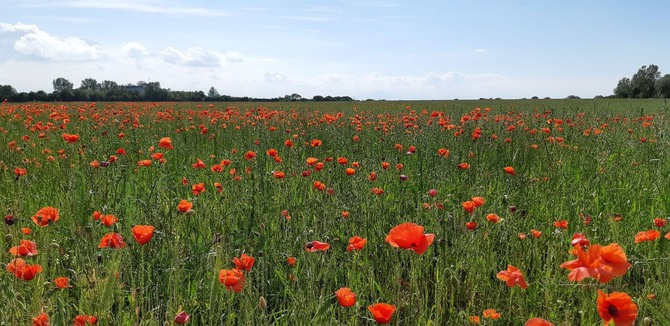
135 88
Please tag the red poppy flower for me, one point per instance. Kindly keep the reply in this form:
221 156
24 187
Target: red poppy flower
232 279
143 233
469 206
345 297
493 218
244 263
62 282
70 138
272 152
279 175
463 166
25 248
478 201
537 234
601 263
382 312
197 188
316 246
385 165
647 236
562 224
471 225
660 222
491 314
538 322
184 206
617 307
579 239
509 170
410 236
111 240
45 216
475 320
316 143
291 261
356 243
165 142
144 163
22 270
512 276
181 318
350 171
199 164
249 155
108 220
20 172
82 320
41 320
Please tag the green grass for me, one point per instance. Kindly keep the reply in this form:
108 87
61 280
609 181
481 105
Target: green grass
616 173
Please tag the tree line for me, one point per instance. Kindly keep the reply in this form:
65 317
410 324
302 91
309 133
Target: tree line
110 91
645 83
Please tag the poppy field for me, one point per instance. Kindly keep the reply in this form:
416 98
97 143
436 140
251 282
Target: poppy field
401 213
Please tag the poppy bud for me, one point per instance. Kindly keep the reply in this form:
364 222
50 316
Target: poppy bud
646 321
403 177
181 318
54 246
189 212
512 209
262 304
9 237
104 164
9 220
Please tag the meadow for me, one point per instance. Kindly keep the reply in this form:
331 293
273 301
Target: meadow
244 213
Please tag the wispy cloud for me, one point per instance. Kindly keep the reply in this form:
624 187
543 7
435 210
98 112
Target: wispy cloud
316 19
163 7
482 50
197 57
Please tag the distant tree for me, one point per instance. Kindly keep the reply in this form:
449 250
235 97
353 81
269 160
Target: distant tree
89 84
624 89
6 91
317 98
213 93
108 85
644 81
598 97
61 83
534 98
573 97
663 86
154 92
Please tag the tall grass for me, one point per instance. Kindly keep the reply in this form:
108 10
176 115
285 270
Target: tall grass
619 171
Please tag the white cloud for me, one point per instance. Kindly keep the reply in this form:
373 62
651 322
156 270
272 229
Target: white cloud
482 50
275 77
29 40
18 28
134 50
313 19
153 7
197 57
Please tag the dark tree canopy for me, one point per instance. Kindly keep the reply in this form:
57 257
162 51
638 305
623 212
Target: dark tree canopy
643 84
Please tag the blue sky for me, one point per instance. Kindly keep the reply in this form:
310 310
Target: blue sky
365 49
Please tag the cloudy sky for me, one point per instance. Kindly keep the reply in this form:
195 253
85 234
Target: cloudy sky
365 49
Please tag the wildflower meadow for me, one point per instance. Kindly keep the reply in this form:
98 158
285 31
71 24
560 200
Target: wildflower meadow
547 212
